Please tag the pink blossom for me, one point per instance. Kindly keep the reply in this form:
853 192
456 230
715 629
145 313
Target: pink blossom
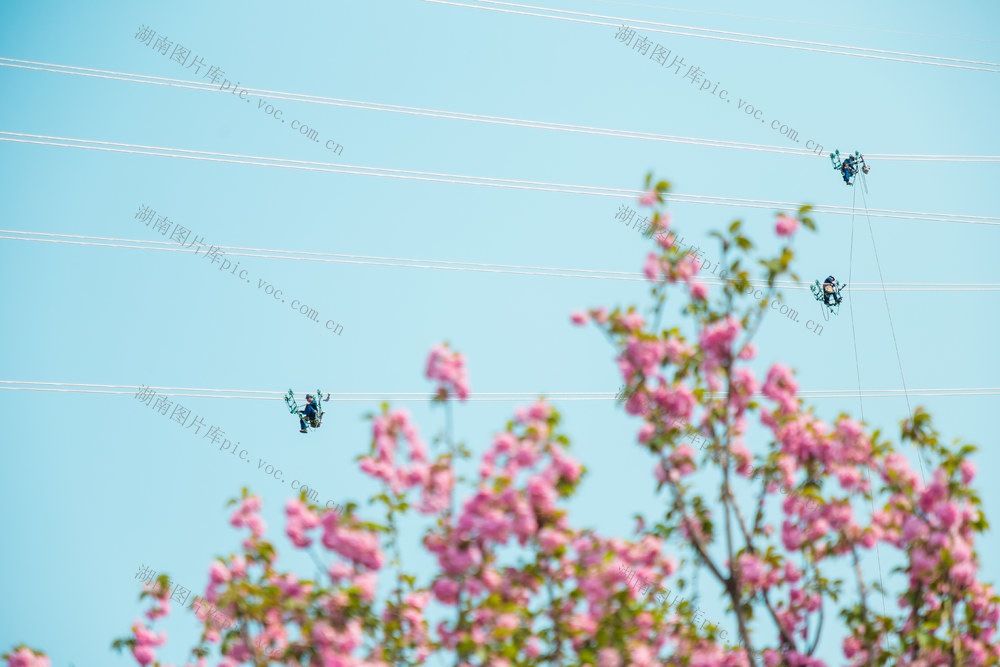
578 318
445 590
649 198
791 536
608 657
637 404
962 574
661 222
508 621
645 355
566 467
752 570
686 268
677 401
786 225
698 291
652 267
550 540
526 481
633 321
448 368
946 513
300 520
682 462
26 658
238 566
717 338
256 525
781 386
366 582
360 547
143 654
676 350
539 410
745 385
217 573
741 456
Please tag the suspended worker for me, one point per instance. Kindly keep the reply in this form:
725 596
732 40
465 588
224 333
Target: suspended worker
831 292
308 413
848 167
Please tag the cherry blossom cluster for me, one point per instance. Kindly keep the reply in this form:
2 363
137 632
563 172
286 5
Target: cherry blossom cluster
448 368
22 656
145 641
516 582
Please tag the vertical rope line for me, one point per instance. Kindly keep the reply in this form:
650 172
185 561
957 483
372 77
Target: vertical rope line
920 458
861 400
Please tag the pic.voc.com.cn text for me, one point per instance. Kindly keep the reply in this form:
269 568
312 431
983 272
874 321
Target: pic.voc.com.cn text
180 234
214 434
627 214
661 55
213 74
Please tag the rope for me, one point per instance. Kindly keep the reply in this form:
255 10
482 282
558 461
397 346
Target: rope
857 368
892 329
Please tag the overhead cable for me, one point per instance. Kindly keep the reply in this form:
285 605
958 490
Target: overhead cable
707 33
459 179
113 389
339 258
480 118
793 21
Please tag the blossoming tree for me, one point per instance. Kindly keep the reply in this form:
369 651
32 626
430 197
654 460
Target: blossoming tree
569 596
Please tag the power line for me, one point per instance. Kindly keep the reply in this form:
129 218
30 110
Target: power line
743 34
167 246
777 20
460 179
67 387
330 260
849 392
778 42
933 158
480 118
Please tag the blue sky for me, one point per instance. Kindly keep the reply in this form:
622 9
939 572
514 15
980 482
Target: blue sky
98 484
